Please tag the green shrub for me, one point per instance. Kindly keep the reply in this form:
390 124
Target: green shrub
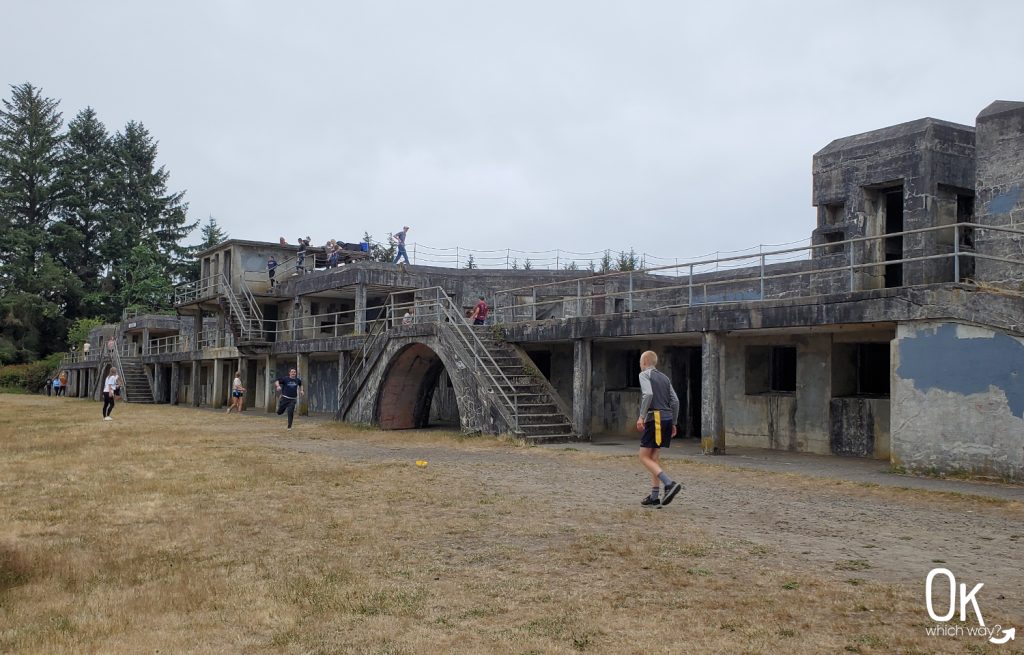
31 376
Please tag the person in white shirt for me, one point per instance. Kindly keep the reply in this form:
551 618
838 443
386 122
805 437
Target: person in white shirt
408 318
85 349
237 394
111 388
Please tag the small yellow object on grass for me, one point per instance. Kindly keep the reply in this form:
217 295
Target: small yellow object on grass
422 463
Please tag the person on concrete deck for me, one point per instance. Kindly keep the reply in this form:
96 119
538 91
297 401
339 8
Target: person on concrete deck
400 242
290 389
407 319
300 258
271 269
659 411
479 314
85 349
111 388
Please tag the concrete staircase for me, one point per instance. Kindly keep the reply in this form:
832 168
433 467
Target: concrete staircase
539 411
135 387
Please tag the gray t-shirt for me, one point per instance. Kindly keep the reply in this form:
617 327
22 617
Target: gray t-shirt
658 394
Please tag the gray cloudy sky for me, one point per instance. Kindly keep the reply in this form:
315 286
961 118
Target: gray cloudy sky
677 128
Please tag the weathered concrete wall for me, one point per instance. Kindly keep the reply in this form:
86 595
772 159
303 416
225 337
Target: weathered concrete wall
852 174
321 383
1000 187
398 383
958 400
798 421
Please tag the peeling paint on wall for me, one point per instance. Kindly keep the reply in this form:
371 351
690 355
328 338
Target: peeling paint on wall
944 359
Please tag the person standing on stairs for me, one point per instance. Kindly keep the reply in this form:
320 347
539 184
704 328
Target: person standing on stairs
659 411
111 388
479 314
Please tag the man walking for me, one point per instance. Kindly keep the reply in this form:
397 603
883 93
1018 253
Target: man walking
290 389
400 241
659 411
479 314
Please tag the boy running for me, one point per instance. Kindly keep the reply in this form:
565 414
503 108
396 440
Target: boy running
659 410
290 388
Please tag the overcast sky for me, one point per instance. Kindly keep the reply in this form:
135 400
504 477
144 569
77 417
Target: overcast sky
678 128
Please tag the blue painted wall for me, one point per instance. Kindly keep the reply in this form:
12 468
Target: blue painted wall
941 360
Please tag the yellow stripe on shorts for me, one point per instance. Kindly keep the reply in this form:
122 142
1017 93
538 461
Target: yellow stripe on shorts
657 427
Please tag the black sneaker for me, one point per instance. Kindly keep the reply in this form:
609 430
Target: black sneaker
671 491
650 501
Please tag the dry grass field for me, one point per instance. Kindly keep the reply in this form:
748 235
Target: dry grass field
173 530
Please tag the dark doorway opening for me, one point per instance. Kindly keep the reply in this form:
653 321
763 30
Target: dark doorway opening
542 360
686 379
894 245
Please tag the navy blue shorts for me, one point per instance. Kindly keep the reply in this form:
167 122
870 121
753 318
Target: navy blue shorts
657 433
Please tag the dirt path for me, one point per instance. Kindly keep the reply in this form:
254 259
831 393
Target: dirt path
856 530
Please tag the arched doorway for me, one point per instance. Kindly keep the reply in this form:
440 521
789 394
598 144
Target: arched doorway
410 390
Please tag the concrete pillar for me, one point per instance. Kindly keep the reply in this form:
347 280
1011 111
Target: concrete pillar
196 382
197 330
269 375
360 315
344 362
158 383
302 363
217 396
712 427
175 381
581 386
145 342
220 329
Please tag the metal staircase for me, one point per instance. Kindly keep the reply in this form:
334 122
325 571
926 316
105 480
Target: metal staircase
242 315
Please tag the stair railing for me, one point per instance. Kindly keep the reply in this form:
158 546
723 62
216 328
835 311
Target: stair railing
474 347
372 346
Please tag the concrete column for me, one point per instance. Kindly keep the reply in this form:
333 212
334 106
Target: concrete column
582 374
145 342
269 375
302 363
158 383
217 396
220 329
197 330
360 315
712 428
175 381
344 362
196 382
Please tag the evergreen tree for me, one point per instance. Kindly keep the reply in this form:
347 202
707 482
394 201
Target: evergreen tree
144 211
380 252
34 289
627 261
606 262
470 262
211 234
83 224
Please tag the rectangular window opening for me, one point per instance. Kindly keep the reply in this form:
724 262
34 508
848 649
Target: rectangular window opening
770 370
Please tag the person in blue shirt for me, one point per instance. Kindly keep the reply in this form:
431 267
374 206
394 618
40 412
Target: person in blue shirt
290 389
271 269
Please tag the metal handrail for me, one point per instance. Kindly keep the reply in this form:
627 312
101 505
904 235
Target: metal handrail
456 319
446 313
510 310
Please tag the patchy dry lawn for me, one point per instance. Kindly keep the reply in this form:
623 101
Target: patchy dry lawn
172 530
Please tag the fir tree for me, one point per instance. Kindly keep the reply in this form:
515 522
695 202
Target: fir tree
83 216
34 289
144 211
211 234
470 262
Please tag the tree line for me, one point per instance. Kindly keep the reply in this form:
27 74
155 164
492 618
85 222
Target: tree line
88 224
